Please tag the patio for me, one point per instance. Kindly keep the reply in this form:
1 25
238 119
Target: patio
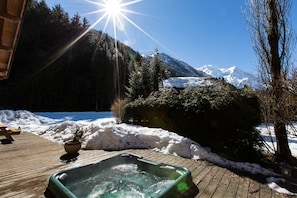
27 163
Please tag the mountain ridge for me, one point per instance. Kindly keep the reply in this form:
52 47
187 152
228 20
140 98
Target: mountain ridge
177 67
232 75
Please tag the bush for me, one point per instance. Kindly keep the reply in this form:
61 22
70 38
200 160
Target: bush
118 109
221 117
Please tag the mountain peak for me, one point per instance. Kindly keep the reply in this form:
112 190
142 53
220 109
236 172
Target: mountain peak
232 75
229 70
175 66
179 68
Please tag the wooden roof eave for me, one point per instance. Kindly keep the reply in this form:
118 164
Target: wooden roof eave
11 18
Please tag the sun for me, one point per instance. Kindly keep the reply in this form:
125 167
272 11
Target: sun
116 13
113 8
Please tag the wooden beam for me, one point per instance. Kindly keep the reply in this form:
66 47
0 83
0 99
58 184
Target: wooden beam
3 74
9 17
3 5
6 48
3 66
12 11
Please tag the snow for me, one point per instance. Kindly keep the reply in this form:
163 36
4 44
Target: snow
267 133
102 132
273 185
183 82
178 67
232 75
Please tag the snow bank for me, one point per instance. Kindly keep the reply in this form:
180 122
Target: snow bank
272 183
22 118
125 136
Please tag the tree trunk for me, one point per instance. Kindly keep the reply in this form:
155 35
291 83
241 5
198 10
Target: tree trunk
283 150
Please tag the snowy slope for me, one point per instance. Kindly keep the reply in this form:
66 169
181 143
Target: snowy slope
177 67
232 75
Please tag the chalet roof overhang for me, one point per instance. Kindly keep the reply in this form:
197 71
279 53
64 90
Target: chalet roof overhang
11 17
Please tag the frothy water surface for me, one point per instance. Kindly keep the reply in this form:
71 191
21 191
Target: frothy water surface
124 180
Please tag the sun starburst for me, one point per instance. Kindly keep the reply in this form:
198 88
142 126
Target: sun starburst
113 8
115 13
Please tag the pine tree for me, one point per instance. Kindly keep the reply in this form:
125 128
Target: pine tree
156 76
145 77
135 79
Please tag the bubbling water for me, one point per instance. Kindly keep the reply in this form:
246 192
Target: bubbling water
124 180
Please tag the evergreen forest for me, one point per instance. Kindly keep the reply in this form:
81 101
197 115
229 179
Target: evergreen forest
61 65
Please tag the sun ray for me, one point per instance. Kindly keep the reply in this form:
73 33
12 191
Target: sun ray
114 13
108 14
131 2
116 9
96 3
130 11
147 34
94 12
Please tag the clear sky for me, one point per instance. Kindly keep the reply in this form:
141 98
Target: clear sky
199 32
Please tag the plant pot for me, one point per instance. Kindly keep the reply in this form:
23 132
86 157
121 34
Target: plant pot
72 147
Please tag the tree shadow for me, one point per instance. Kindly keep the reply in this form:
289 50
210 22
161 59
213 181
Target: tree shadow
282 181
270 139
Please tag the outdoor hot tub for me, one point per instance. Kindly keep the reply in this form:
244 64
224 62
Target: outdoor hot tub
124 175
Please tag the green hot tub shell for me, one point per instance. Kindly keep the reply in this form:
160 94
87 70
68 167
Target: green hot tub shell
124 175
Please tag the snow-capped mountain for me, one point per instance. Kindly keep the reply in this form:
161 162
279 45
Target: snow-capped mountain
175 66
232 75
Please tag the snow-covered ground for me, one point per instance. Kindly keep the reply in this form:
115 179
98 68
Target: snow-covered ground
267 133
101 132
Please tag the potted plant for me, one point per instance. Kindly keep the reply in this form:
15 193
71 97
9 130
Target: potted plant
73 146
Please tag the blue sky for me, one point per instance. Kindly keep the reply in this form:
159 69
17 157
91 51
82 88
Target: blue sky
199 32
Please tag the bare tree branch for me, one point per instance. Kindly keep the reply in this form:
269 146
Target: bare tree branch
272 39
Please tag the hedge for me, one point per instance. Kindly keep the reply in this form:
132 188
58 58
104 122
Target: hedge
219 116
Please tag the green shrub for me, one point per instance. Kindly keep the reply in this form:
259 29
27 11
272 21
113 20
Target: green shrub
220 116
